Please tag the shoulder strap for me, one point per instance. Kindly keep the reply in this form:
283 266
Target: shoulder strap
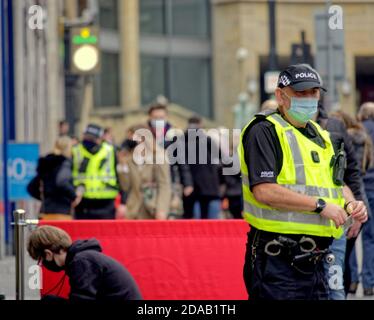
265 113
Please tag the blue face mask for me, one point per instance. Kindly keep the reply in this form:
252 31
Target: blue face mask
302 109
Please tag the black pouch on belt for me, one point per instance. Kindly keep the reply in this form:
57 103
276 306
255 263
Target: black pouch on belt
339 164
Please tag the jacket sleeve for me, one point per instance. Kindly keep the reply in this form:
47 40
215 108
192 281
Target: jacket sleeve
181 166
121 181
84 280
33 188
164 187
352 176
64 181
185 174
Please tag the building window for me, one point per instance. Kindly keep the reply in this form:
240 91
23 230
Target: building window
176 53
190 84
186 81
106 84
152 17
153 78
108 16
191 18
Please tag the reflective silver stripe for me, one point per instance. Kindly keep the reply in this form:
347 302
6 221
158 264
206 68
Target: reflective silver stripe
280 120
297 159
312 191
340 192
77 158
334 193
295 149
100 190
285 216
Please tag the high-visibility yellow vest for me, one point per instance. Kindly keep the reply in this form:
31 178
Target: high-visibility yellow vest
299 173
96 172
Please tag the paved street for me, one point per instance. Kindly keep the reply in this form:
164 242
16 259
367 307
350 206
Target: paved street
8 280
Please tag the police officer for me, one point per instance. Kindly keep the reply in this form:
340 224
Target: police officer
94 176
293 198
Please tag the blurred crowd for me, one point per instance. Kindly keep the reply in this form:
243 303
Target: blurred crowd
96 178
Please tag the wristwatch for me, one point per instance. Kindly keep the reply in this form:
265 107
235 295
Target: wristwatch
320 205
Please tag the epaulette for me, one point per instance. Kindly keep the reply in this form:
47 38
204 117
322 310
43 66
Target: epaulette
265 113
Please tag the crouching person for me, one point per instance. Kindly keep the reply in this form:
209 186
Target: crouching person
92 275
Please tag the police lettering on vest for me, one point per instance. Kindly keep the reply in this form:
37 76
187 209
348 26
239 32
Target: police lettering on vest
299 173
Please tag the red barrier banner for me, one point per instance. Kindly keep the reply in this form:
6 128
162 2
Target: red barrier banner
170 260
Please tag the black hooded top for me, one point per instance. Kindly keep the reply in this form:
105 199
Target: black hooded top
54 173
95 276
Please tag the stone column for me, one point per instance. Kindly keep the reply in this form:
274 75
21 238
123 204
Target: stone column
130 61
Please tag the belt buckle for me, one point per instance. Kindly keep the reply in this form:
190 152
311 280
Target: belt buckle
270 244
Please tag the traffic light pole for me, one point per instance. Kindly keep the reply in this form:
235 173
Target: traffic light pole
273 59
332 99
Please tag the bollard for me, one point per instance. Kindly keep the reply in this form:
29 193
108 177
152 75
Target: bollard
19 234
19 223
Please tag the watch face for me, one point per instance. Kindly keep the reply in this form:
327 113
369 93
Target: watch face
321 204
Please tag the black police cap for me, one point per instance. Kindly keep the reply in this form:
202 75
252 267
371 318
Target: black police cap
300 77
94 130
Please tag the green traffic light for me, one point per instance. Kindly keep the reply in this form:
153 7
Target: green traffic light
82 40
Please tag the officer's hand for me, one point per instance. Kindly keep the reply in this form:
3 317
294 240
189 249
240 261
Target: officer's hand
121 212
334 213
358 211
354 230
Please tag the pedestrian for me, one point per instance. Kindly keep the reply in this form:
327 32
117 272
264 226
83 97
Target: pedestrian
163 132
269 105
95 176
147 183
63 128
366 116
53 184
108 136
206 172
342 247
292 200
363 147
233 182
93 276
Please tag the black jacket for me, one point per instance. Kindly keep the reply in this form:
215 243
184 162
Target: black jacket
339 134
369 176
180 172
53 184
233 182
206 176
360 144
95 276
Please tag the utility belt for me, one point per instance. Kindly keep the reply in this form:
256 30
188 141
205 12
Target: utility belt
303 252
